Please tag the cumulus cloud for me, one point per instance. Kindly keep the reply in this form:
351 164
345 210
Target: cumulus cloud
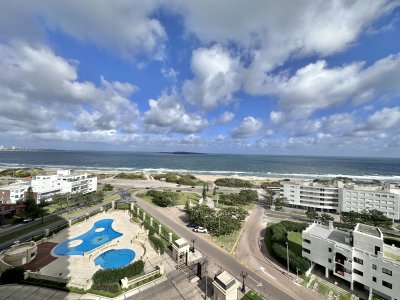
316 86
124 27
225 117
168 113
249 127
39 90
217 77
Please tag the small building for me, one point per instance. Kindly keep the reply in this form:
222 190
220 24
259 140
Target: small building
13 193
18 255
180 251
359 257
225 287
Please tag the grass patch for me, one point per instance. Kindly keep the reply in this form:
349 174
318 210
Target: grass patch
295 240
227 241
392 255
18 233
250 295
111 198
184 196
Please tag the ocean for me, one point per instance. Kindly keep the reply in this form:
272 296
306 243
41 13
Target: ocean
216 164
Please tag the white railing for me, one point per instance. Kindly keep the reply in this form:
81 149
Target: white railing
126 283
96 251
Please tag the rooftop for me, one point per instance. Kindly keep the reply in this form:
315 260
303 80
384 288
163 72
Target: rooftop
225 280
370 230
325 232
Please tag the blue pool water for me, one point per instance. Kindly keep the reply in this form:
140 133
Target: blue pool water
89 240
114 259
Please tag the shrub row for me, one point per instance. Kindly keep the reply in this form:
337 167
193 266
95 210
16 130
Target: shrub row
12 275
391 241
114 287
158 244
276 237
233 182
114 276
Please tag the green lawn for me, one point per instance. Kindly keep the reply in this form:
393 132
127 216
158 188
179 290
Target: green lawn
183 196
250 295
227 241
295 240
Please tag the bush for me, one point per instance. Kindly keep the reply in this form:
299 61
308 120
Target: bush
294 226
295 262
107 287
233 182
102 277
163 198
12 275
132 176
391 241
158 244
108 187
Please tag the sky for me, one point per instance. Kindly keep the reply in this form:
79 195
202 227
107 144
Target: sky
256 77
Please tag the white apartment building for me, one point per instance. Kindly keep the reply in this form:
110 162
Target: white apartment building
385 198
360 257
65 181
308 194
13 192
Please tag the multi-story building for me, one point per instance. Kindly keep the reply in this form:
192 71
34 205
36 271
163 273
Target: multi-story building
13 192
360 257
309 194
385 198
65 181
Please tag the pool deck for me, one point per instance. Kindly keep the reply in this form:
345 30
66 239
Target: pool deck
80 269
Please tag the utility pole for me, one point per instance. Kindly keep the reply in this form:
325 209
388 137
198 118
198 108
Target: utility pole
287 256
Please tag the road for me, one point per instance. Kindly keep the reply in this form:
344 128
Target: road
251 251
268 290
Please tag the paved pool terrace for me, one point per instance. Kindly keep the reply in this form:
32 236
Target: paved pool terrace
80 245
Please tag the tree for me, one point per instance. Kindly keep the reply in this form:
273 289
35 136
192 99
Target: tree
215 191
311 214
108 187
326 217
280 202
30 202
204 195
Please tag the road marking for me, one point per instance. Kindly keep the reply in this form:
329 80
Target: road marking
259 283
262 269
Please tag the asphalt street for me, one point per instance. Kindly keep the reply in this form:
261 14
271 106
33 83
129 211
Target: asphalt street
269 290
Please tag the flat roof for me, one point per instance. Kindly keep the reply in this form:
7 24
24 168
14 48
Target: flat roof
335 235
225 280
370 230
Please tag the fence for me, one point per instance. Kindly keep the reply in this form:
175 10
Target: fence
164 233
134 282
37 275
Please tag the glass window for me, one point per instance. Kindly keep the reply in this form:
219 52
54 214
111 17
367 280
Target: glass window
387 271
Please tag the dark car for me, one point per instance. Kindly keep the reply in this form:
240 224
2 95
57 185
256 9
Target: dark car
191 225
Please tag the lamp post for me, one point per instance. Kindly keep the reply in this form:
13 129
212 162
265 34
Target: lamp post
297 274
287 256
243 275
193 240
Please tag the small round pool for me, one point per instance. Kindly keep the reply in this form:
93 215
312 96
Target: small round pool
114 259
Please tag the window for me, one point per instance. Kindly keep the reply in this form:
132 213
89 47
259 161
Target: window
358 260
387 284
330 249
358 272
374 279
377 249
307 241
306 250
329 260
387 271
373 266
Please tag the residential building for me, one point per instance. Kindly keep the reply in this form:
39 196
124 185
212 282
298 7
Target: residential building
309 194
65 181
385 198
12 193
359 257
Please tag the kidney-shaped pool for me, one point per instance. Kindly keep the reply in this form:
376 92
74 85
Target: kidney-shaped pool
101 233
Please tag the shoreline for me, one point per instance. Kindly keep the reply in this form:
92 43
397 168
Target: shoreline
208 176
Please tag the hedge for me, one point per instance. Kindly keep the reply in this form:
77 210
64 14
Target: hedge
275 240
158 244
12 275
391 241
114 287
102 277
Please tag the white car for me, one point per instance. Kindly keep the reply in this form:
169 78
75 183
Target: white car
200 229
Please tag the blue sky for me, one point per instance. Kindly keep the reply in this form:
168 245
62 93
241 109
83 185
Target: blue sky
303 77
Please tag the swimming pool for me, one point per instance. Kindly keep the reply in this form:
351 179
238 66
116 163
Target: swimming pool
114 259
101 233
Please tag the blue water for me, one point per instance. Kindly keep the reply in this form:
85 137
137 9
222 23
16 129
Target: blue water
90 239
114 259
224 164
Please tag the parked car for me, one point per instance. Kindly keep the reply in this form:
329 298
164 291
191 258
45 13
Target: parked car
191 225
30 219
200 229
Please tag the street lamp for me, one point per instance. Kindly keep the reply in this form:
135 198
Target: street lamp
297 274
243 275
287 256
193 240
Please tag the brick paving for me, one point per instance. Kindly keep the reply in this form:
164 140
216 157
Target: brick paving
43 257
